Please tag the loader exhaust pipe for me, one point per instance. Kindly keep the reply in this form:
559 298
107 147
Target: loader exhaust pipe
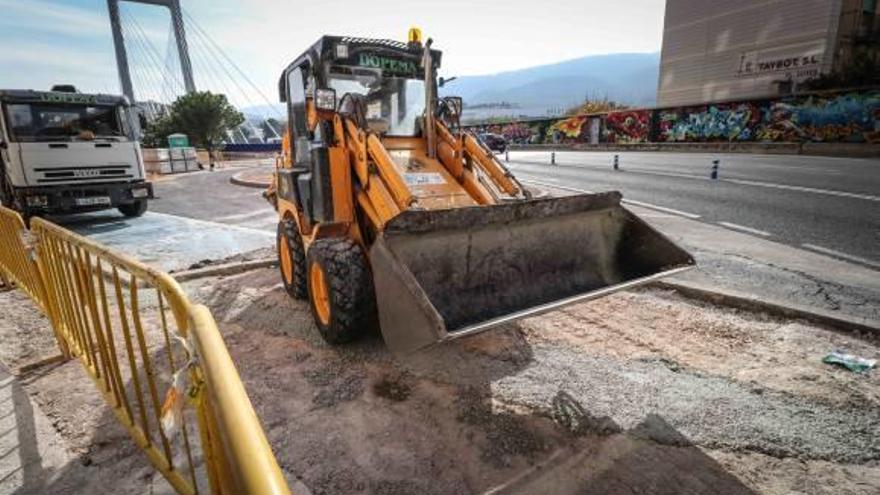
444 274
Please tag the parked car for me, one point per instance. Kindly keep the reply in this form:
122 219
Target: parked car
494 142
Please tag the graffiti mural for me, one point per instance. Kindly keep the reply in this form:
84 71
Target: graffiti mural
570 130
517 132
724 122
627 127
844 118
851 117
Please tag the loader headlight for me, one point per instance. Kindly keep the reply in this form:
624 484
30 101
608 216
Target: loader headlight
325 99
139 193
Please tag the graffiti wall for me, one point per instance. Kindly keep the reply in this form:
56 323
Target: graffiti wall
726 122
847 117
850 117
627 127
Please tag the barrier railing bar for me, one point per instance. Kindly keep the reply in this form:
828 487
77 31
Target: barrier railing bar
118 387
129 347
184 426
83 302
148 367
103 356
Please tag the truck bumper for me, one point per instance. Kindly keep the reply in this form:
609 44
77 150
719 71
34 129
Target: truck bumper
81 198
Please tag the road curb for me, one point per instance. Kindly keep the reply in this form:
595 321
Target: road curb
238 180
750 302
225 269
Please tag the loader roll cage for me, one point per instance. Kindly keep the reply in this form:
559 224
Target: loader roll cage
387 73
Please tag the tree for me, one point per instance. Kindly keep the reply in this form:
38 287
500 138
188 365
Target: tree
591 106
156 131
203 116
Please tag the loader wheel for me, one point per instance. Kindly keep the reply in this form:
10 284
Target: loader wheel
340 289
292 259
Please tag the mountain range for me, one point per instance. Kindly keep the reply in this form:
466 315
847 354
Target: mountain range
629 78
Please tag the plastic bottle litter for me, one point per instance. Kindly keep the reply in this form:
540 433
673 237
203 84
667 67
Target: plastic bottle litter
850 362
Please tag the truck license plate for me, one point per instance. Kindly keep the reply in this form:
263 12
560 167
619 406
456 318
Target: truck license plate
93 201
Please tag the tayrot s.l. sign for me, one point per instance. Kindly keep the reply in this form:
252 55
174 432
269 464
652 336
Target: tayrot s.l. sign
799 63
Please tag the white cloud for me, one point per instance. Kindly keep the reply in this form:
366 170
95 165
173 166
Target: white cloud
263 36
41 15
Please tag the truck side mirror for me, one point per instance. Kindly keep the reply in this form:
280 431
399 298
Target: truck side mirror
444 81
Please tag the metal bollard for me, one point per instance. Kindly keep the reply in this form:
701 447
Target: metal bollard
552 158
616 162
506 156
715 164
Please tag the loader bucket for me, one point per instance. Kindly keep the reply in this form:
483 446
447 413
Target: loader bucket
443 274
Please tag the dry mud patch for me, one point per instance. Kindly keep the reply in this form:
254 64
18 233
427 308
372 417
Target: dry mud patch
641 391
637 392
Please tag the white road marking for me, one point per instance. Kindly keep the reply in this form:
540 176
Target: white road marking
650 206
743 228
845 256
215 224
745 182
664 209
566 188
242 216
830 192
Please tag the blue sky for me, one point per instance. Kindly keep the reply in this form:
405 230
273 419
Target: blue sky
69 41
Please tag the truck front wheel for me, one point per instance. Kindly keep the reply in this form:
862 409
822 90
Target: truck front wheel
136 209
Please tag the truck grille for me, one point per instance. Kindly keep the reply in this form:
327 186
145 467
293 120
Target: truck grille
83 174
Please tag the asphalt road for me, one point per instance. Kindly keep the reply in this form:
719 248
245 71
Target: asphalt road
195 217
826 205
210 196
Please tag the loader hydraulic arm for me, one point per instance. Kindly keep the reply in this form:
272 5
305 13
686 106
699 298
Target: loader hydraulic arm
486 160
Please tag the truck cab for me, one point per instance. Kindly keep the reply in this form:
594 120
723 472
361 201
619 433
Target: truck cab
64 152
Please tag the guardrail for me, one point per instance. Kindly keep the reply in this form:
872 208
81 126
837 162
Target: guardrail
159 361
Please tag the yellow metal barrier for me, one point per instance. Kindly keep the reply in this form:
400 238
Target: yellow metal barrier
16 263
150 352
18 268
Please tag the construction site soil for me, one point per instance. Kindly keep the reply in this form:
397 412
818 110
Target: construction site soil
638 392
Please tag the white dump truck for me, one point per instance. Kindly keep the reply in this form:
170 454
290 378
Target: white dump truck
62 152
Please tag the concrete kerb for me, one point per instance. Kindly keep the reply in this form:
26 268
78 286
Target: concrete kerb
750 302
239 180
689 290
224 269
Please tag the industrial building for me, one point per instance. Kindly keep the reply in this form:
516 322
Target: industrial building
717 51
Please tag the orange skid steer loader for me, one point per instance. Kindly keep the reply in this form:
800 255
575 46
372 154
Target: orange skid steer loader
390 214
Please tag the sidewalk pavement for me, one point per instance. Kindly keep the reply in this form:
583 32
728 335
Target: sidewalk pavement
31 451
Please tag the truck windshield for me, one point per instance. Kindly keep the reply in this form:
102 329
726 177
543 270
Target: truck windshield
393 104
53 122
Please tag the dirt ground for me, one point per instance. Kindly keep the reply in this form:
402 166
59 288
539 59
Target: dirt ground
639 392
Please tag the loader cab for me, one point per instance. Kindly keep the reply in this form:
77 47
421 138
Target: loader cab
378 82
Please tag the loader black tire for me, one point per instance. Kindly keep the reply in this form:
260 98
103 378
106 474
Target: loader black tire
289 243
338 269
